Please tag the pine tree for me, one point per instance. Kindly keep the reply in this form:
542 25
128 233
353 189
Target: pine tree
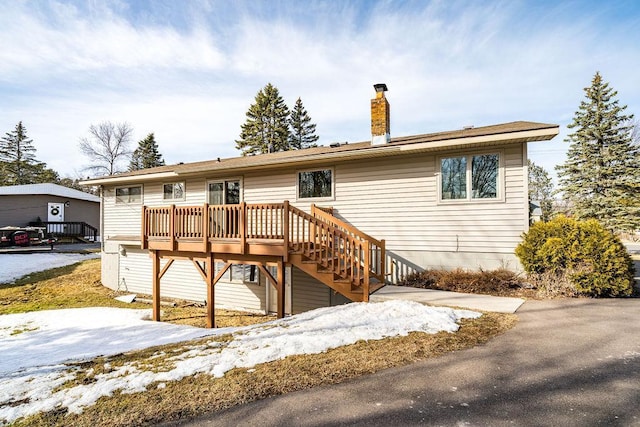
601 175
541 189
267 128
146 155
302 130
17 155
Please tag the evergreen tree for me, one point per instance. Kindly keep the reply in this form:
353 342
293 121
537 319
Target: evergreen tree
17 155
302 130
541 189
267 128
602 173
146 155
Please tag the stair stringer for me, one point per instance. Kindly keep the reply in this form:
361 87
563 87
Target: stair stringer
327 278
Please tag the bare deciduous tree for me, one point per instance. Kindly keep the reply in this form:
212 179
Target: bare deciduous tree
107 146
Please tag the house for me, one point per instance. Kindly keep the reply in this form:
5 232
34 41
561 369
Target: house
64 212
291 231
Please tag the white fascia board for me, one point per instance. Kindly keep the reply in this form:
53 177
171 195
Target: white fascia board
128 179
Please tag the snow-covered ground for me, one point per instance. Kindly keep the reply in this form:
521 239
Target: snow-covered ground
39 349
14 266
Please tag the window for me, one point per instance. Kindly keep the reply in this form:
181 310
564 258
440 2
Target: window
479 172
239 273
224 192
174 191
315 184
129 194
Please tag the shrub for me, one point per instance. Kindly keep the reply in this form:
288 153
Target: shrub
593 259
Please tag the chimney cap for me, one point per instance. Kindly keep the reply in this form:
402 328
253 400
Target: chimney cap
380 87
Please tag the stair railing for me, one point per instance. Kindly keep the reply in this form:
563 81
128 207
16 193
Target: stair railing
345 254
377 252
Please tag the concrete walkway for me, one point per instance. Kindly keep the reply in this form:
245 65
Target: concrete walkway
566 363
451 299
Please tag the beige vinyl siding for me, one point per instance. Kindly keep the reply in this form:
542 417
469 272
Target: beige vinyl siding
183 281
397 200
120 219
124 219
274 188
307 292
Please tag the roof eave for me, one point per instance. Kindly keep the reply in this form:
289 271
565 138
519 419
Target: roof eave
543 134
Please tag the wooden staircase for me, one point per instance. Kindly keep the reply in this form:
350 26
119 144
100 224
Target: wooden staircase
337 254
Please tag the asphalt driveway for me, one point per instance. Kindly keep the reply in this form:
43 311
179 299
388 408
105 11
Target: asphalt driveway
566 363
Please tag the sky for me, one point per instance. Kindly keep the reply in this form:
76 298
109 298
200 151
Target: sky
189 70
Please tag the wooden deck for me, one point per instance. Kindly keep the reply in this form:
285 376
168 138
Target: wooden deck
334 252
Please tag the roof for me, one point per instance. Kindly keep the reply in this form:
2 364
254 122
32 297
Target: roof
49 189
520 131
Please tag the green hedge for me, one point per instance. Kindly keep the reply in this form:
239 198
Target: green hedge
593 258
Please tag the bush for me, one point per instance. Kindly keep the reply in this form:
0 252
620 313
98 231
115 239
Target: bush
593 259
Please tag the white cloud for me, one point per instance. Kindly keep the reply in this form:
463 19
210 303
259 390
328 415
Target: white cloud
189 71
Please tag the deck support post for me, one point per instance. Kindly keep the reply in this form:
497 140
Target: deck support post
281 289
367 267
285 230
155 289
244 227
211 268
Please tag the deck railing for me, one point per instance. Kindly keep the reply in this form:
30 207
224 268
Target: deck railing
79 229
320 237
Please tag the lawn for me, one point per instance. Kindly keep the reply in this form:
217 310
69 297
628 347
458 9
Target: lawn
198 393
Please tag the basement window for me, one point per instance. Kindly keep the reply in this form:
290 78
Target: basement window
470 177
315 184
173 191
129 194
239 273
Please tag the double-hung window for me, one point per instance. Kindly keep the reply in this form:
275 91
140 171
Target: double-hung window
173 191
315 184
470 177
129 194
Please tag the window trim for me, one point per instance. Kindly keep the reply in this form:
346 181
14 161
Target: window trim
500 197
315 199
184 190
224 181
115 195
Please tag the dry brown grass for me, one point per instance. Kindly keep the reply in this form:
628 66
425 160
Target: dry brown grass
79 286
499 282
200 394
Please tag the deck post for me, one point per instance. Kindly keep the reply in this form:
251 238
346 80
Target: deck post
281 289
155 288
285 230
383 262
172 227
367 268
143 231
211 268
243 227
205 227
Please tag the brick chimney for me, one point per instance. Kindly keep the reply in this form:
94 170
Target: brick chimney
380 116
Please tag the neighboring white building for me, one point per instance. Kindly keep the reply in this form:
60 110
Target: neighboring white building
448 199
